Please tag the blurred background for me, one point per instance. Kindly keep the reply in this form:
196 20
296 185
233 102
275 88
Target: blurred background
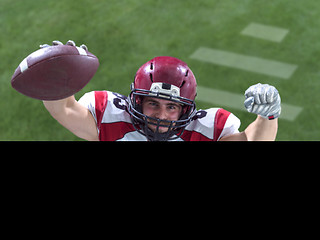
124 34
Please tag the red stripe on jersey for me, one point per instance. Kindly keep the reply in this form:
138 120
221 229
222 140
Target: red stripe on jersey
219 122
115 131
194 136
101 101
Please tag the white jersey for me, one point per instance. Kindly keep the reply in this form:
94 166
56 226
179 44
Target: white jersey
114 123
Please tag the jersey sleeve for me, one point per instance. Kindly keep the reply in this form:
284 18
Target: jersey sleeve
109 110
231 126
211 125
96 102
88 101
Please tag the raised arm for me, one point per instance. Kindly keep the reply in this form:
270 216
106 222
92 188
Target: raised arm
73 116
259 130
263 100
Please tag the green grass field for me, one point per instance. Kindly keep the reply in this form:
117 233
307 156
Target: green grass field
124 34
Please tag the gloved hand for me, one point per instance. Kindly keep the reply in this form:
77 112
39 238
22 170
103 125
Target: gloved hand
264 100
70 42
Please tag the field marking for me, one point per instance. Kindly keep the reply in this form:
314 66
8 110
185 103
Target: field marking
232 100
265 32
244 62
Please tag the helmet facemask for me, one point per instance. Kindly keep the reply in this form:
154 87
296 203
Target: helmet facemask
161 91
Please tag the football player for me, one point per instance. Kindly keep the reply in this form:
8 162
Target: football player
161 107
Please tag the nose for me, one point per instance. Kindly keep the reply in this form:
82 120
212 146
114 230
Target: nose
162 113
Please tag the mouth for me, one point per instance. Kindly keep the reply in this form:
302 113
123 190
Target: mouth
161 126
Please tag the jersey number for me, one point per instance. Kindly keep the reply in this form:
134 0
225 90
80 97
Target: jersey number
200 114
118 101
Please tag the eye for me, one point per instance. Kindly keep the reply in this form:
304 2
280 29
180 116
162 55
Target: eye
172 107
153 104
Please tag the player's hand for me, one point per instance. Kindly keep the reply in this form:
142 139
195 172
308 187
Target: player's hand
70 42
264 100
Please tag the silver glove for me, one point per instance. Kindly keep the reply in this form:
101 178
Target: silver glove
264 100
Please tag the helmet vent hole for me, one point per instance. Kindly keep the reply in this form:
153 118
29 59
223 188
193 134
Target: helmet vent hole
182 84
187 72
151 77
151 66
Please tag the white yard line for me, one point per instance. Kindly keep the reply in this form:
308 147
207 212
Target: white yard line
221 98
244 62
270 33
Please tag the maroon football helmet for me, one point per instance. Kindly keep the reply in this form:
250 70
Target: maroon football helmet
166 78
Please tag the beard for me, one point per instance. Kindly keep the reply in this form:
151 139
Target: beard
162 129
